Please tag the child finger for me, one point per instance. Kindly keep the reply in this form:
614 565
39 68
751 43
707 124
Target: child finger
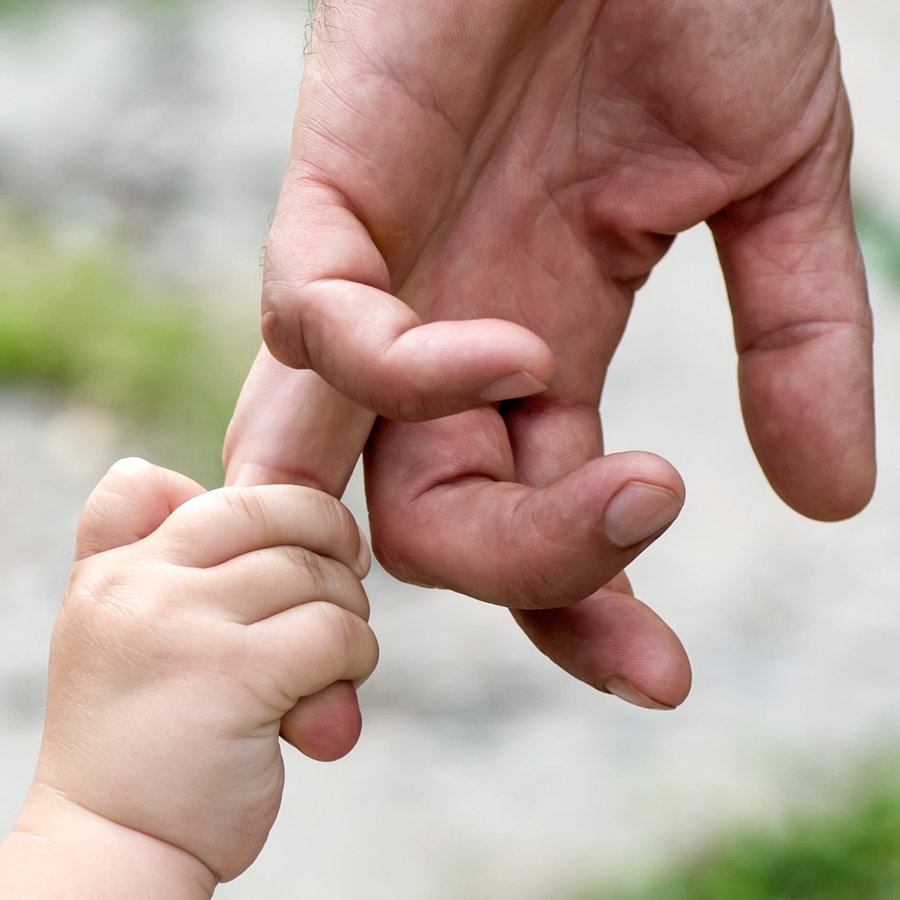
309 647
129 503
258 585
232 521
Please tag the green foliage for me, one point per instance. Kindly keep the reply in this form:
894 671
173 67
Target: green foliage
879 234
848 853
78 323
23 9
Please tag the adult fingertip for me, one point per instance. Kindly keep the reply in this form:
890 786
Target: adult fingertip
842 494
615 644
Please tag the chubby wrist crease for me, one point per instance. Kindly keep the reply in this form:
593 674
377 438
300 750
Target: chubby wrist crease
49 814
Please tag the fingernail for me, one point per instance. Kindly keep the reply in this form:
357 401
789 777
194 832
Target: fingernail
364 558
516 384
626 691
129 465
246 475
637 511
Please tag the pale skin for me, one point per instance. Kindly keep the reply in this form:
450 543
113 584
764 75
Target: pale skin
475 193
192 626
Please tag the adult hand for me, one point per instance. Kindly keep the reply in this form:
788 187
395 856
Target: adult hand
528 163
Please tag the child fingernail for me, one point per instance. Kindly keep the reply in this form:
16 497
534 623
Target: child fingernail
637 512
364 557
516 384
626 691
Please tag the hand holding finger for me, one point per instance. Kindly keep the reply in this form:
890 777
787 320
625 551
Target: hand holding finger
220 525
307 648
513 544
291 427
263 583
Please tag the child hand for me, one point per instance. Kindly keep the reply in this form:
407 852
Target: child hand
192 625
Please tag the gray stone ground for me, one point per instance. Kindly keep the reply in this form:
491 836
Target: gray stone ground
483 771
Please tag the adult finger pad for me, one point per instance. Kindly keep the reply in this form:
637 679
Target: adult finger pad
811 423
612 638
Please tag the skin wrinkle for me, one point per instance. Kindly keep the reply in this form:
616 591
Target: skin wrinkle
614 167
568 105
725 160
545 571
322 177
793 336
431 104
320 127
630 97
309 336
323 174
487 138
813 142
805 262
425 97
523 520
457 207
609 216
732 225
551 194
392 242
88 809
570 184
832 64
517 530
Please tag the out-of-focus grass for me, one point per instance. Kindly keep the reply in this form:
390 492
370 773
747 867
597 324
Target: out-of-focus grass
852 852
79 324
23 9
879 232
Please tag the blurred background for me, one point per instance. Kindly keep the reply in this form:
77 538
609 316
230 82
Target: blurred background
141 150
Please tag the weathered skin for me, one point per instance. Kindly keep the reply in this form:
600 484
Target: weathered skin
529 163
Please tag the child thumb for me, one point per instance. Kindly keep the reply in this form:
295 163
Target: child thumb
131 501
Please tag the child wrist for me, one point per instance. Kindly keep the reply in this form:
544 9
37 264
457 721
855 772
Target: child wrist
61 834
